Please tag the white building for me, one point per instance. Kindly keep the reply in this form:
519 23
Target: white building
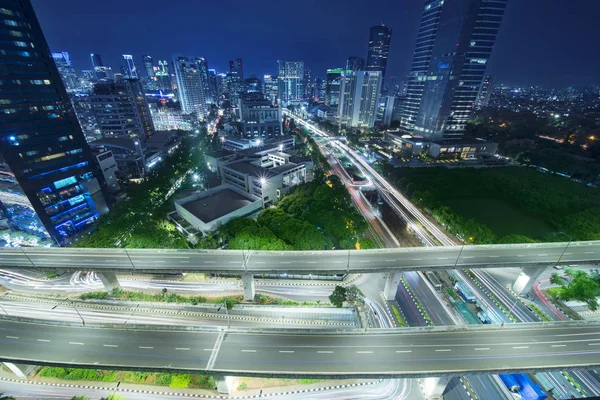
359 98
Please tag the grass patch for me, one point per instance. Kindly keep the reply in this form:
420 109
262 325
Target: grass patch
165 297
177 381
452 293
52 275
398 316
263 299
309 381
540 313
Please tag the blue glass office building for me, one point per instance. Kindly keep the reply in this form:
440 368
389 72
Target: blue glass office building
50 187
454 44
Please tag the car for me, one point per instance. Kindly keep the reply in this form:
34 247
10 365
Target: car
558 267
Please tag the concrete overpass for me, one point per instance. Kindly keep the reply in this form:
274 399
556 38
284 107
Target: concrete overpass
417 352
534 258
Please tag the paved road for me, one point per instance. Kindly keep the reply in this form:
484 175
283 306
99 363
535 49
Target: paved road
337 261
390 355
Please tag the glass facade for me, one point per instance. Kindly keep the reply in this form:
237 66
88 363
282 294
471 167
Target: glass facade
379 48
50 185
291 81
454 43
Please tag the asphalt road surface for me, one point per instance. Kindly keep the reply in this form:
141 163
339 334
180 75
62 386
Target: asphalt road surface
334 261
390 355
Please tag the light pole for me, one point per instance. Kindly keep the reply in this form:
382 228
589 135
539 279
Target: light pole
72 305
243 255
566 247
263 182
348 263
25 254
134 310
4 310
224 304
509 312
459 254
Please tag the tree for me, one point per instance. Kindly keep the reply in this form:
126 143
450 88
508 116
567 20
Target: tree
338 297
2 397
367 243
581 287
556 279
229 303
76 398
354 295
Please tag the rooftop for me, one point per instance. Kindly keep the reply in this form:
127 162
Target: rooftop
216 205
245 167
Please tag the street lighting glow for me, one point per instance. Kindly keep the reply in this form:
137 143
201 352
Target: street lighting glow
263 181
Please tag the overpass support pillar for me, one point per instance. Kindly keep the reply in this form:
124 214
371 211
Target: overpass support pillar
109 280
21 370
249 291
526 279
434 388
392 281
224 383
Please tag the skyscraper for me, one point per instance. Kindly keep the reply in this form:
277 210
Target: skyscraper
379 47
148 65
291 81
253 85
359 98
98 67
191 74
50 186
270 88
121 109
163 77
235 81
332 87
132 72
355 63
66 70
454 44
214 85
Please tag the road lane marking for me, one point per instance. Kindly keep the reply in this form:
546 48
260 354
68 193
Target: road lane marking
363 262
593 344
187 262
259 262
209 262
160 261
364 352
233 262
520 347
207 349
559 345
338 262
43 340
182 348
468 257
286 351
482 348
390 260
493 256
443 349
442 258
285 262
311 262
145 347
542 255
403 351
76 343
12 337
248 351
417 259
520 255
110 345
324 352
589 252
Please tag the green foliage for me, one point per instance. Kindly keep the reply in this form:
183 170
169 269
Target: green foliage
246 233
563 205
581 288
556 279
52 275
242 386
2 397
299 234
113 397
180 381
338 297
94 296
73 398
398 316
354 295
510 239
139 222
367 243
306 381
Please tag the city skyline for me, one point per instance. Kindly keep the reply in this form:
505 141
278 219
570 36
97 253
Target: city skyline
525 52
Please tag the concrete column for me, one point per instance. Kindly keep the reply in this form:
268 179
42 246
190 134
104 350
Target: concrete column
109 280
249 291
21 370
223 383
433 388
527 278
391 285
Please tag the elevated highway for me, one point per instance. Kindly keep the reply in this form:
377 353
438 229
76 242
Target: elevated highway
305 262
414 353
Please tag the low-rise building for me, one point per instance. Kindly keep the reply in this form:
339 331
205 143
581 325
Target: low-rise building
464 148
260 119
208 210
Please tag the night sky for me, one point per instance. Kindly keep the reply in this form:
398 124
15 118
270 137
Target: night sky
540 41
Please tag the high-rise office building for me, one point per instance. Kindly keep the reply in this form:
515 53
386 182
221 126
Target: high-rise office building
100 73
308 83
253 85
485 92
454 44
333 84
62 60
51 186
235 81
291 81
270 88
355 63
132 72
163 77
193 88
260 118
214 85
148 66
121 110
359 98
379 47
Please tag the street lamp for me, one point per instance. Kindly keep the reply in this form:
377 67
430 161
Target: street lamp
509 312
72 305
566 247
224 304
4 310
134 310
